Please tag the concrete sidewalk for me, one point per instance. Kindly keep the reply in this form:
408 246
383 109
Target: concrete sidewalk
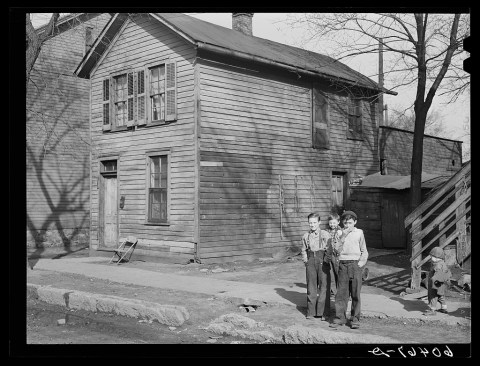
373 305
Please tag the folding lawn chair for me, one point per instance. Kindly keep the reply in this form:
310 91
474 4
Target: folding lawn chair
126 247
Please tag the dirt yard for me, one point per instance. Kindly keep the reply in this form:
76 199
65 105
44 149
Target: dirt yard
389 276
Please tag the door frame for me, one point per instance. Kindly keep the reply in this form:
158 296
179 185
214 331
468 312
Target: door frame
344 175
101 198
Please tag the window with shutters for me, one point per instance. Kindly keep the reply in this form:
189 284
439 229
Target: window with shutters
140 96
320 130
354 113
157 188
157 93
106 104
146 96
120 100
162 93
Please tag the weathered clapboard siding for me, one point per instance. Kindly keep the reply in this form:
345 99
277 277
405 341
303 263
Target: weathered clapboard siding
438 153
57 169
256 128
142 42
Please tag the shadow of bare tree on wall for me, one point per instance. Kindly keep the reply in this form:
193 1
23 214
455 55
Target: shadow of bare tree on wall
57 168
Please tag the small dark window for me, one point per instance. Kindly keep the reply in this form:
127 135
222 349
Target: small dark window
354 125
109 166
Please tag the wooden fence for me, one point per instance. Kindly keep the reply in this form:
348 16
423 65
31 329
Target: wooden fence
440 220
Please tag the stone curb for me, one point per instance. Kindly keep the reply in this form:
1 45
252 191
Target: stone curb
244 327
78 300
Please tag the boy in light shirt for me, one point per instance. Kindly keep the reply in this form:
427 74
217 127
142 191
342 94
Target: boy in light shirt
353 256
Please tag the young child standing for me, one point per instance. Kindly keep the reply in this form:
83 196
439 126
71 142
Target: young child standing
333 243
317 265
353 256
438 279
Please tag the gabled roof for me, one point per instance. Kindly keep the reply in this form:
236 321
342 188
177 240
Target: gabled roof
103 41
215 38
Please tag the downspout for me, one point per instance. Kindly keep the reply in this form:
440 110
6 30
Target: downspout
196 144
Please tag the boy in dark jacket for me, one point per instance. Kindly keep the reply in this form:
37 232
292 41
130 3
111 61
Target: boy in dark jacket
438 280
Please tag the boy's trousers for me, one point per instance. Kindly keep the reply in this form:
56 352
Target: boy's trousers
334 273
349 283
433 297
318 282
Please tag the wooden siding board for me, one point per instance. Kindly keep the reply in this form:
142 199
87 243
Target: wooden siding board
257 128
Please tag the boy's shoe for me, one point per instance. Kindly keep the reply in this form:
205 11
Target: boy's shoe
309 317
365 273
321 318
337 323
355 324
444 311
430 312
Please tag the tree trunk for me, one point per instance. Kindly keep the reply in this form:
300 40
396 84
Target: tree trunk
417 159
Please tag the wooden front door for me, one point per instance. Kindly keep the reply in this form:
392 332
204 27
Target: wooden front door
393 217
110 212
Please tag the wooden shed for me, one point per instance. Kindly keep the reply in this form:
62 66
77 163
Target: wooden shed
214 145
382 202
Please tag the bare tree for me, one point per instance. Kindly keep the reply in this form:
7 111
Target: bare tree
405 119
35 40
425 51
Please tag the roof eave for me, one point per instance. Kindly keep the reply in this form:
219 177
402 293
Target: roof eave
246 56
102 42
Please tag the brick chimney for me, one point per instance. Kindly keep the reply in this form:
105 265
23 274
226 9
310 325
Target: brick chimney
242 22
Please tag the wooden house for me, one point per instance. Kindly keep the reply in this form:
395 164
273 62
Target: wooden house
57 136
214 145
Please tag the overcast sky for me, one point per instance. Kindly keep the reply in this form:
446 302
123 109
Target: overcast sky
272 26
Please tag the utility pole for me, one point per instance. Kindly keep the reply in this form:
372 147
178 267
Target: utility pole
380 81
381 121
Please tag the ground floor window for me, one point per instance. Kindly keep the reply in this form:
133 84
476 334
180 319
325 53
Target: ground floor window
157 191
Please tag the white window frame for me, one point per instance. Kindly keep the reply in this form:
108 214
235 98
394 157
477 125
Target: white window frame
149 156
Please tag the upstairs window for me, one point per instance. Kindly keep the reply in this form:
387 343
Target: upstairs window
354 115
162 93
320 131
140 97
120 102
157 93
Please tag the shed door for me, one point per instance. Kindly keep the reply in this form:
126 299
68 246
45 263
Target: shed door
393 217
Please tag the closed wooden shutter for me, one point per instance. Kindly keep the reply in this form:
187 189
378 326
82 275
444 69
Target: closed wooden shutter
354 130
140 103
106 126
321 134
170 91
130 98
